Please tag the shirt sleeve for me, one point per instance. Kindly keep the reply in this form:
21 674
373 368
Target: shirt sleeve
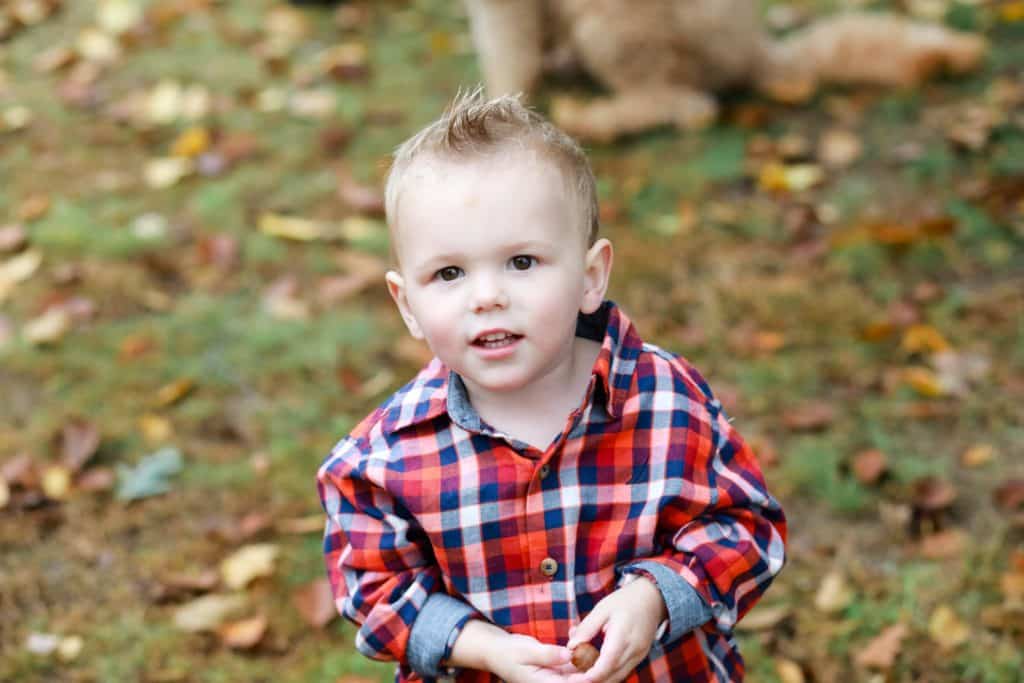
725 536
382 571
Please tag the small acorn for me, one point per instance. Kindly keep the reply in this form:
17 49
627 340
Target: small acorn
583 656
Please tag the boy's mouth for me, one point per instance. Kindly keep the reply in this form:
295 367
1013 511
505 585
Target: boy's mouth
495 339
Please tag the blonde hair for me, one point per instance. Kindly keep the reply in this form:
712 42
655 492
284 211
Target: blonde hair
473 127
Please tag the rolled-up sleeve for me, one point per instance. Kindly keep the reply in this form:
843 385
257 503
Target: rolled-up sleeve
381 568
725 537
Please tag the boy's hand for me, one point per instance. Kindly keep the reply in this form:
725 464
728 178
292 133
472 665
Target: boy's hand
629 618
523 659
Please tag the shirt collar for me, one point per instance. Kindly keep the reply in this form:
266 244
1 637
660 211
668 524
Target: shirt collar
436 390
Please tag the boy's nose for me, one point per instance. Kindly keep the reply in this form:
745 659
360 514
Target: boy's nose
488 294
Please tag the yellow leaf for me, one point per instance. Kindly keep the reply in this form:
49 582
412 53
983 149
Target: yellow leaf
924 339
207 613
155 428
191 143
48 328
789 671
1011 12
70 647
924 381
776 177
5 493
248 563
166 171
56 482
834 594
946 628
289 227
173 392
978 455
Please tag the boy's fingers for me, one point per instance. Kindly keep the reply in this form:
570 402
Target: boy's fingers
548 655
587 629
611 653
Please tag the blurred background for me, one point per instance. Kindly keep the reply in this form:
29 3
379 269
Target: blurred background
192 313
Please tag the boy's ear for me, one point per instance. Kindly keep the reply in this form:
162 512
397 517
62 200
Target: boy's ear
396 288
597 271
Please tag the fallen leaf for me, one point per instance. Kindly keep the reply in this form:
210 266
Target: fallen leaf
167 171
978 455
834 594
764 618
881 651
809 416
957 372
150 476
946 629
56 482
923 339
315 602
191 143
245 634
943 545
98 47
155 428
96 479
48 328
174 392
282 299
17 270
118 16
776 177
360 196
291 227
924 382
248 563
208 612
839 148
1012 586
345 62
1010 494
313 104
869 466
79 441
788 671
42 643
12 237
69 648
5 493
301 525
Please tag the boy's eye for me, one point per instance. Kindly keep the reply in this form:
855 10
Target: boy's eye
448 273
523 262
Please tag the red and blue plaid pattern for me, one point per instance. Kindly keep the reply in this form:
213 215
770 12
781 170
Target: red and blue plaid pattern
649 468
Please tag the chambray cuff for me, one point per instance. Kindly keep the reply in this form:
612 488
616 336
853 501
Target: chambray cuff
686 608
431 631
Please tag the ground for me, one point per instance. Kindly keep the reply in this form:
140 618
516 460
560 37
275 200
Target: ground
190 260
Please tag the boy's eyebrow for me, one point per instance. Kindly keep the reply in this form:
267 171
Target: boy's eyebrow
455 256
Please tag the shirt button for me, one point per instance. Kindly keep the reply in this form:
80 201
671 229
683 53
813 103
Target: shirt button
548 567
544 471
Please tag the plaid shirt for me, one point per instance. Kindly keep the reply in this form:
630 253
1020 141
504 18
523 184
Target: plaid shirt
434 517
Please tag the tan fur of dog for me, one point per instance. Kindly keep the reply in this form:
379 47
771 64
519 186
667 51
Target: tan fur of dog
663 60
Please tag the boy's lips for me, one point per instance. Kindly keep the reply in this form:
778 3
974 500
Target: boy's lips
495 339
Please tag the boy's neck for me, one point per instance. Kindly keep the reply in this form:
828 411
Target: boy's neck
537 413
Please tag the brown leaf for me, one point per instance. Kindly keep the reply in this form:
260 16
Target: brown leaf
360 196
79 441
869 466
33 207
809 416
1010 495
136 345
333 289
244 634
881 652
301 525
20 471
12 237
943 545
933 493
96 480
315 602
764 617
219 250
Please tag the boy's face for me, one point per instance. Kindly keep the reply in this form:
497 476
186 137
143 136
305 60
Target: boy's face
494 267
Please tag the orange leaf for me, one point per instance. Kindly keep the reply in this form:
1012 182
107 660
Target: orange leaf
315 602
881 651
244 634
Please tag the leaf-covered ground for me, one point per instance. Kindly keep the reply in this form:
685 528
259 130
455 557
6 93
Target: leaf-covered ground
191 313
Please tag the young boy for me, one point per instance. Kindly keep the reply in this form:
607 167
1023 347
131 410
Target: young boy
548 479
